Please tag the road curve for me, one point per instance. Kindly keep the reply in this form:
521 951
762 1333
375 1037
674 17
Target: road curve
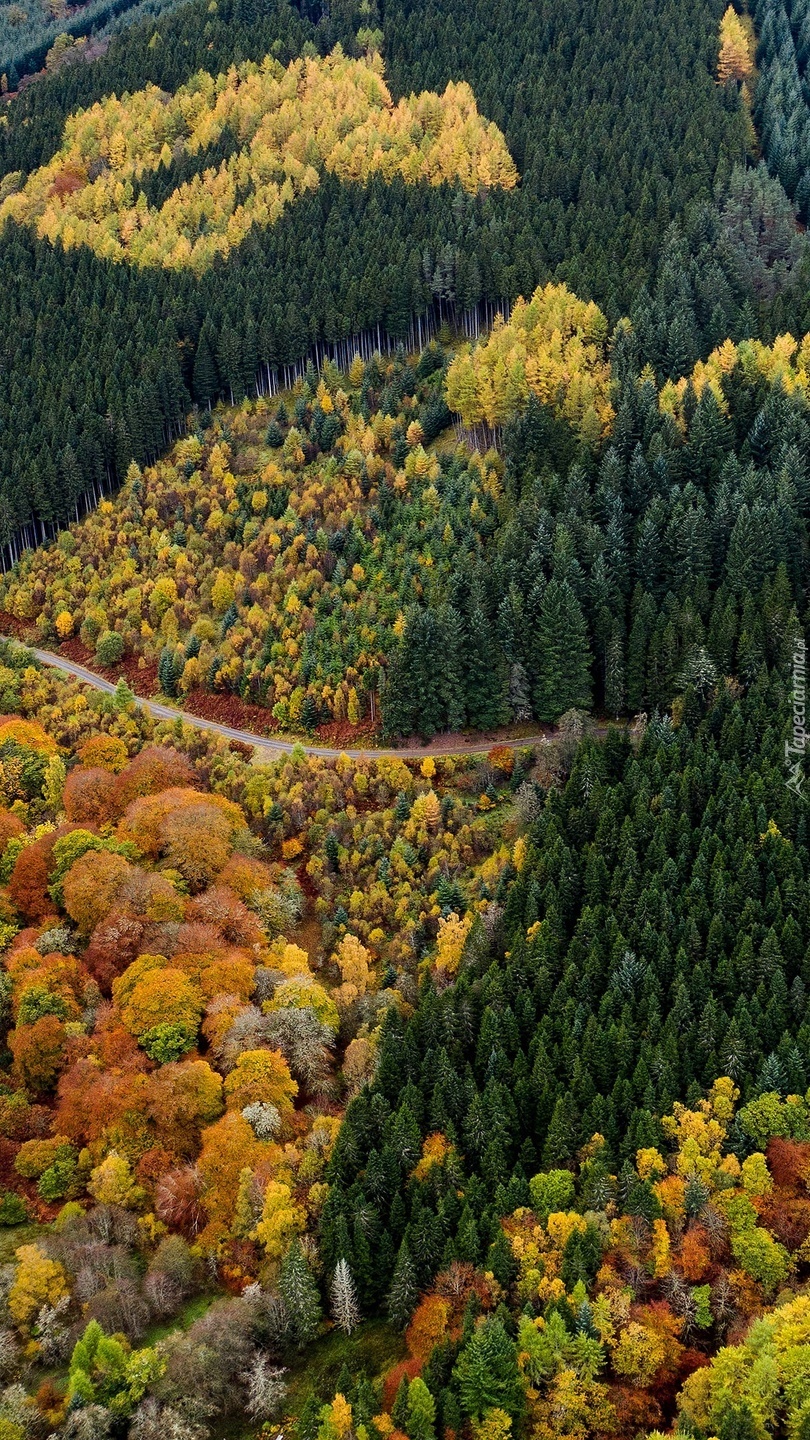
264 744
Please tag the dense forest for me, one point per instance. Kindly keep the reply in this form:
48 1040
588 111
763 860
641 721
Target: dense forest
781 110
367 258
313 557
370 371
277 129
52 34
569 1015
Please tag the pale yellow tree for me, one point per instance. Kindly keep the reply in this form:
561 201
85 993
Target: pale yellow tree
450 942
38 1281
736 59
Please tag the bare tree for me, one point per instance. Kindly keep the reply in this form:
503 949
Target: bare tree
263 1119
304 1042
55 1340
162 1292
9 1353
120 1307
345 1309
91 1422
266 1388
249 1031
153 1421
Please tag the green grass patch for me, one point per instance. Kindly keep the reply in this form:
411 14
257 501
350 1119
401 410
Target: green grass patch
193 1310
12 1236
372 1349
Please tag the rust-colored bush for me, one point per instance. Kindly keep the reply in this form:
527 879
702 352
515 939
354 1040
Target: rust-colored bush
156 768
90 796
38 1052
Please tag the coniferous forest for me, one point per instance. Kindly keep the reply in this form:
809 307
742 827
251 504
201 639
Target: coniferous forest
405 924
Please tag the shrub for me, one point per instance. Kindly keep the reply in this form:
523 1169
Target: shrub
13 1209
109 647
168 1041
55 1182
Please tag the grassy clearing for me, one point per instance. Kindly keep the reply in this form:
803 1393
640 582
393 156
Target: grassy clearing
371 1350
12 1236
183 1320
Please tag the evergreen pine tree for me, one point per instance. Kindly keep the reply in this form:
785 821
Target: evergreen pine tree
299 1292
487 1373
614 672
205 379
167 678
563 681
468 1243
738 1424
309 1419
404 1291
399 1409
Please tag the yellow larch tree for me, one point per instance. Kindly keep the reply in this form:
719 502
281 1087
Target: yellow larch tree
332 113
553 346
736 59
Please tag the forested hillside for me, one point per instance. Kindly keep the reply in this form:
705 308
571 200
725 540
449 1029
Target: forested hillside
575 1165
372 370
361 258
313 557
53 34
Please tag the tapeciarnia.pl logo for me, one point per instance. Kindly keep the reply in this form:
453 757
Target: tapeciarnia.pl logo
795 749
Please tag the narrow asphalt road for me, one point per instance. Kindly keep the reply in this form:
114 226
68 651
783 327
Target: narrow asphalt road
264 744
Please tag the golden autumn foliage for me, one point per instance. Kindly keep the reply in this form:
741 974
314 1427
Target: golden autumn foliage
228 1147
281 1220
553 346
573 1409
111 1183
337 1419
107 752
334 113
161 996
699 1132
26 732
303 992
639 1353
452 937
787 361
737 45
261 1076
353 961
358 1063
39 1281
435 1150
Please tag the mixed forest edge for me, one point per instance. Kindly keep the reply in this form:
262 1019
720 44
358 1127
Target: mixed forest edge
421 370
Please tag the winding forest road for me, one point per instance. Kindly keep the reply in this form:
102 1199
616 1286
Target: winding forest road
445 745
